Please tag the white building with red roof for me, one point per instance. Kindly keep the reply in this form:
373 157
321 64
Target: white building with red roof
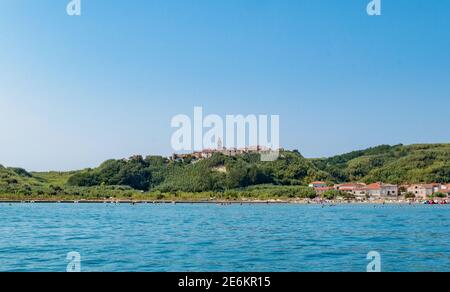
382 190
423 190
356 189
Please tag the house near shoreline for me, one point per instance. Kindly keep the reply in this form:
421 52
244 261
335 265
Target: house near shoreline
423 191
363 191
380 190
356 189
445 189
374 190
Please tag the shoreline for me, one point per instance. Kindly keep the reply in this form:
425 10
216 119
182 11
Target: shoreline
215 202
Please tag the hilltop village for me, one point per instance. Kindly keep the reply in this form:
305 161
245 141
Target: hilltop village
230 152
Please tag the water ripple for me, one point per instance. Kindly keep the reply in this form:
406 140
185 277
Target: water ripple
193 237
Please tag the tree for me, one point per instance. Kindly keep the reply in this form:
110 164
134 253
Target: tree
333 194
237 177
307 192
410 195
84 179
330 194
20 171
346 195
134 175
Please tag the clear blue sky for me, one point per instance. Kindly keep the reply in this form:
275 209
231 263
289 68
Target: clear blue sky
75 91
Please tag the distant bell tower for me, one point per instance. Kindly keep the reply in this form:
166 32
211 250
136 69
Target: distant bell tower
219 144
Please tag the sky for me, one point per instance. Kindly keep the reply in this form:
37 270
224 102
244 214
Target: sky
75 91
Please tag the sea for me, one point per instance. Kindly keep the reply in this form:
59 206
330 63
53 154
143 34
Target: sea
232 238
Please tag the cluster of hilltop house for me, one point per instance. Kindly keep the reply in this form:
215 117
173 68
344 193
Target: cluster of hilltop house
208 153
380 190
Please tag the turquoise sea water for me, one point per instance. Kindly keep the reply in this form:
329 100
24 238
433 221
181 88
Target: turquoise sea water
114 237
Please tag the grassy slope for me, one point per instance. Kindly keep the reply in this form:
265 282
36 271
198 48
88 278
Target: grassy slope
49 185
394 164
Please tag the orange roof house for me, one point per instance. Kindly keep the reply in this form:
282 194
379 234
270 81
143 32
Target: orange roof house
380 189
348 187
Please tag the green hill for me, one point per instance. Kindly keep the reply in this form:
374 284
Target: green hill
137 175
17 183
392 164
17 180
217 173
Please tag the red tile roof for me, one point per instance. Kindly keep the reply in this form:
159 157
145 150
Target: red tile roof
350 186
378 186
374 186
